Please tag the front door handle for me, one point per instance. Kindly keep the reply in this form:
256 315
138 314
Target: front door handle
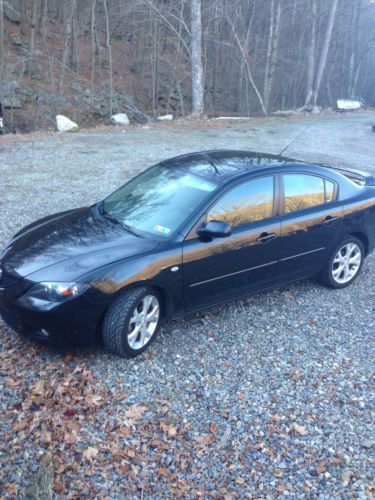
266 237
328 220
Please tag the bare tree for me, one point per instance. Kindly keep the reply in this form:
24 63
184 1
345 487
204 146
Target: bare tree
354 35
74 64
246 58
68 16
109 47
2 79
32 36
273 43
311 55
325 49
196 59
92 80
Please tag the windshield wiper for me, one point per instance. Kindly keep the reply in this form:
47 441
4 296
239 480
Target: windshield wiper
130 229
116 221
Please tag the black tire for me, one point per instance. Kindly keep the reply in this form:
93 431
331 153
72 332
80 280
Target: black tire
326 276
117 322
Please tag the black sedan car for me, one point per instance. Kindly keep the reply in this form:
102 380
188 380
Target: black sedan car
189 232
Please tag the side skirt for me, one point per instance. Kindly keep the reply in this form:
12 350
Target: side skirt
182 313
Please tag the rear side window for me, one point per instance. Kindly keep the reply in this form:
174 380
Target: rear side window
304 191
249 202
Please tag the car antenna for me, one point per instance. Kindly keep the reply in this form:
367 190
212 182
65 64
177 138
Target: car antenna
294 139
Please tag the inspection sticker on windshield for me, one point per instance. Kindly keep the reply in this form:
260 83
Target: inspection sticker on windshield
161 229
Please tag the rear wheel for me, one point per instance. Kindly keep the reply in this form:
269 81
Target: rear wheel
344 265
132 322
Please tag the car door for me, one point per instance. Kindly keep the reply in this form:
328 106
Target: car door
311 223
221 268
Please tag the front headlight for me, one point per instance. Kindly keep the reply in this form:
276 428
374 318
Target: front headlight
56 292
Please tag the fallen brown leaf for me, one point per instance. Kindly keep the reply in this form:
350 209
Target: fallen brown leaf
90 453
164 472
37 389
203 439
168 429
11 489
213 427
58 486
136 412
70 437
299 429
12 383
20 426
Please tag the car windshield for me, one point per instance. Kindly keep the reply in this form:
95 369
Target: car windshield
159 200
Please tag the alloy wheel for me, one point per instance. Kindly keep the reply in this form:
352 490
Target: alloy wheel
346 263
143 322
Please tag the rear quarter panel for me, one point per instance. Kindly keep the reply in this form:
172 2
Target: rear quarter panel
359 215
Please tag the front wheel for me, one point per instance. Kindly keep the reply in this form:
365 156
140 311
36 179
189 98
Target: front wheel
344 265
132 321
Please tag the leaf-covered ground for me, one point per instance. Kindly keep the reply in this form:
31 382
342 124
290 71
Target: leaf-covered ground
282 406
260 398
63 416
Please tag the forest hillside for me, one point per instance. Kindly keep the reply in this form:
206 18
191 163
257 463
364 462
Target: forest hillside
89 59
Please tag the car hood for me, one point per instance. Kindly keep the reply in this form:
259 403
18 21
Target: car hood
70 244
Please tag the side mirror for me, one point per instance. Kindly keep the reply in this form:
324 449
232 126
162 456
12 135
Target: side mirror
215 228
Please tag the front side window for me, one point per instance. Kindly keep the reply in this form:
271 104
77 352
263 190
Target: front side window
249 202
159 200
304 191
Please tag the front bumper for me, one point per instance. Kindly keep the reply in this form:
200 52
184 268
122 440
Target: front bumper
77 320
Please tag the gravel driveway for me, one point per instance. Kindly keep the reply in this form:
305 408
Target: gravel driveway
266 397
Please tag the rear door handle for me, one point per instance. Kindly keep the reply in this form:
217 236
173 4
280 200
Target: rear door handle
329 220
266 237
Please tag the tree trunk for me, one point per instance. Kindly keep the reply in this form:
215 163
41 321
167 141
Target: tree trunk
196 59
353 64
2 52
68 9
242 64
108 45
92 52
311 56
32 37
74 65
246 57
268 57
325 49
272 54
154 57
41 13
24 20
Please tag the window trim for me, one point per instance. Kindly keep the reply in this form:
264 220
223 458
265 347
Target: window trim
300 172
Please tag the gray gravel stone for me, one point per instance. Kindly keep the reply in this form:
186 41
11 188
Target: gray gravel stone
254 368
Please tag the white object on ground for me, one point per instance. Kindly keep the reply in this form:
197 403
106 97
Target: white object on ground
64 124
120 119
348 104
164 118
231 118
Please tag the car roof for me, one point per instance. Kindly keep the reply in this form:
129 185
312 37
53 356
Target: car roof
219 165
